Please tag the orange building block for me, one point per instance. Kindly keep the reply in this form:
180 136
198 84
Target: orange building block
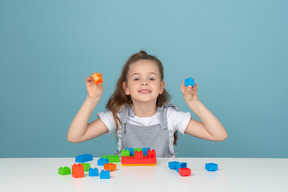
97 78
110 166
78 170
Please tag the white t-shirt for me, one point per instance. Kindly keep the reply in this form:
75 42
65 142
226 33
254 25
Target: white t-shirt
176 120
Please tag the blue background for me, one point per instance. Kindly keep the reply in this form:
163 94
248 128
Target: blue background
235 50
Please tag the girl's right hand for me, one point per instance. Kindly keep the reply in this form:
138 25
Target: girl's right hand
94 91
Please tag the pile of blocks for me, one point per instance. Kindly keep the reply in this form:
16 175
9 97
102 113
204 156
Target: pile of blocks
138 157
180 167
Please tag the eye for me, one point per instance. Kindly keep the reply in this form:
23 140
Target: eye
152 79
136 79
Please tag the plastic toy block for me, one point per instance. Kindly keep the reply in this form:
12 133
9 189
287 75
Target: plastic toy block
151 153
93 172
110 166
112 158
211 166
97 78
184 171
105 174
86 166
129 160
173 164
189 81
144 149
138 155
137 149
181 165
77 170
64 171
83 158
102 161
125 153
148 161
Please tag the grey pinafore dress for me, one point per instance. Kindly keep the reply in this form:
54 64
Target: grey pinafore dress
156 137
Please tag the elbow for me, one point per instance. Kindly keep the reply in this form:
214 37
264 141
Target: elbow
224 137
71 140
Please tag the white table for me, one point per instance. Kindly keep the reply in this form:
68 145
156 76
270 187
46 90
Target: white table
234 174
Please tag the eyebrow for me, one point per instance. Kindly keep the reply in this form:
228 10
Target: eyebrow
139 74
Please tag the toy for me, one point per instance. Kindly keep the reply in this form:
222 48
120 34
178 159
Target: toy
86 166
112 158
83 158
173 164
64 171
97 78
105 174
93 172
211 166
181 165
189 81
184 171
110 166
102 161
126 153
77 170
139 159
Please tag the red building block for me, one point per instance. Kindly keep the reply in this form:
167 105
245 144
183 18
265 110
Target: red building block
184 171
78 170
148 160
110 166
129 160
152 153
138 155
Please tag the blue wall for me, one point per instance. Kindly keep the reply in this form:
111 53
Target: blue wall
235 50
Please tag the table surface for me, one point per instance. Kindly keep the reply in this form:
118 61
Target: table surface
234 174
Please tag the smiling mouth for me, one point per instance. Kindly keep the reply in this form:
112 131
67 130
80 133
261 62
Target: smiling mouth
144 91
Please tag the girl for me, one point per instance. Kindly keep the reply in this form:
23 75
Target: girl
139 112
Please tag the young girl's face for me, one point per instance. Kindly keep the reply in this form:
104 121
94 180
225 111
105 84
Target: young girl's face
144 82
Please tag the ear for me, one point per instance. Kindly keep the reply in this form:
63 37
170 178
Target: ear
126 89
162 87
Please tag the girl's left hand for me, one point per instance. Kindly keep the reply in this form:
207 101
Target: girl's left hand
189 93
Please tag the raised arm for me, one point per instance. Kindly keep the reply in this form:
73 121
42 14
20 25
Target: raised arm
79 129
210 127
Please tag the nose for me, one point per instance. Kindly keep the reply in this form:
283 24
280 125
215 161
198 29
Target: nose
144 83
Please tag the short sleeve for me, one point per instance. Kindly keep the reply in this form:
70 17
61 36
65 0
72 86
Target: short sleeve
178 120
107 118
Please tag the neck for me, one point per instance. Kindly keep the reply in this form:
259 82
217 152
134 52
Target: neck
144 109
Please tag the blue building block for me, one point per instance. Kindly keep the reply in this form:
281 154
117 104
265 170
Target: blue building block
173 164
93 172
181 165
105 174
189 81
102 161
144 150
83 158
211 166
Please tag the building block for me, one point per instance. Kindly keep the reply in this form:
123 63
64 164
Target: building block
112 158
131 150
97 78
93 172
184 171
83 158
181 165
102 161
173 165
86 166
110 166
211 166
144 149
105 174
64 171
125 153
137 149
77 170
189 81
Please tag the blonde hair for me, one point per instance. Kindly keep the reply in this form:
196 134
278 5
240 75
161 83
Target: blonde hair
119 99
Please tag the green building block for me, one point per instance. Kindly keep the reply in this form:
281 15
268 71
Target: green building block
112 158
86 166
64 171
125 153
139 149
